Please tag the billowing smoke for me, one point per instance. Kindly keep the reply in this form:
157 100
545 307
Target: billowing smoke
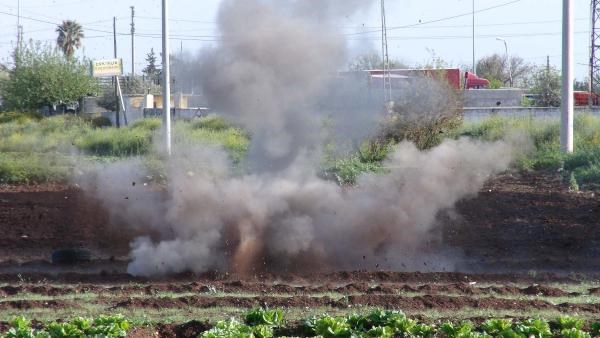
275 61
213 219
269 73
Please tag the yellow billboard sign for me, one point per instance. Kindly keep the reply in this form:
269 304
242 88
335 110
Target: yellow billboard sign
107 68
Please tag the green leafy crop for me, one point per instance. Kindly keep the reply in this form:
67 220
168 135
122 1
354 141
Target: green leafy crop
266 317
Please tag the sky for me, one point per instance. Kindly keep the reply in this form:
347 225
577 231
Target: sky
417 29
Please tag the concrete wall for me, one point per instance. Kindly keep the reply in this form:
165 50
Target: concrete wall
507 97
90 105
475 114
177 113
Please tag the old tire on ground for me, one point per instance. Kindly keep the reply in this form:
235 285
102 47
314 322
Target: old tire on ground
71 256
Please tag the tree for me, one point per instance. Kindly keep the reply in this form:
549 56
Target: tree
69 38
581 85
546 85
496 67
151 70
45 77
372 61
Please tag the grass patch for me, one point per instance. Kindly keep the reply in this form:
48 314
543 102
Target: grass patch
347 170
211 122
38 150
147 124
32 168
116 142
583 164
213 131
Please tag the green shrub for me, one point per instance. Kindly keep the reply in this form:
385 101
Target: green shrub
235 141
101 122
19 117
573 185
582 158
583 165
28 168
373 151
116 142
147 124
490 129
347 170
587 129
549 157
211 122
423 113
25 143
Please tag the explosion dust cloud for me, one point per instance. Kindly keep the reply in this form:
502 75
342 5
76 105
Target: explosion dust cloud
270 70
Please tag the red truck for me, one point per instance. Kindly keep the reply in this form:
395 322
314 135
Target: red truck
583 98
452 75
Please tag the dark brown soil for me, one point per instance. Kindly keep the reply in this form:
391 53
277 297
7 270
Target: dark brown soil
524 229
34 222
32 304
519 222
529 221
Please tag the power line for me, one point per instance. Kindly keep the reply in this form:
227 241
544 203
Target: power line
482 25
177 20
216 38
483 36
54 23
439 20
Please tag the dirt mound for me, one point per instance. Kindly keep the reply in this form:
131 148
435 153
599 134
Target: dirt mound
503 290
211 302
444 302
457 288
144 333
541 290
190 329
32 304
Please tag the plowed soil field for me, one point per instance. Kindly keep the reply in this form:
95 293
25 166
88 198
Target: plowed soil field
527 246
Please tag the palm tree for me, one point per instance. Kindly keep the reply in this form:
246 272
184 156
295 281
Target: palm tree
69 38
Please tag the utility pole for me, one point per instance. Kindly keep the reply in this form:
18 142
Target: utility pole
19 27
166 75
386 74
474 70
118 106
566 125
132 42
510 79
593 85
